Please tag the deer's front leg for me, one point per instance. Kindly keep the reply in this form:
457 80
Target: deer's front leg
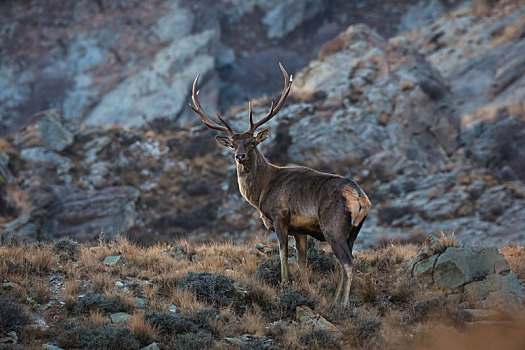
280 222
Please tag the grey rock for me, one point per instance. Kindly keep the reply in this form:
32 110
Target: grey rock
140 302
488 141
289 14
505 302
234 341
424 270
84 215
10 285
46 131
13 335
383 114
307 316
429 249
142 98
50 347
495 283
22 227
43 157
119 317
113 260
458 266
152 346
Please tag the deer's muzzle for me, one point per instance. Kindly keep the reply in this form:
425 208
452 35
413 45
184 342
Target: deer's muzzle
240 157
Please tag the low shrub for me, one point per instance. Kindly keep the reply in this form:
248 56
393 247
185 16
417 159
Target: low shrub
96 301
209 287
171 323
194 341
66 249
365 328
269 271
101 337
321 261
289 299
12 314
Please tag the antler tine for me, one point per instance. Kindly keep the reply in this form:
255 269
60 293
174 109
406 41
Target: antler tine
200 111
230 130
251 114
273 111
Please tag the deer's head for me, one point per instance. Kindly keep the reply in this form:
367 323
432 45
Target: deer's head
245 143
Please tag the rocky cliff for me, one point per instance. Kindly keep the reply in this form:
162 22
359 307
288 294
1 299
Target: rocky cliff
425 110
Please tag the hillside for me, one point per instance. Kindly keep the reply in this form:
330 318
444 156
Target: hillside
117 295
426 115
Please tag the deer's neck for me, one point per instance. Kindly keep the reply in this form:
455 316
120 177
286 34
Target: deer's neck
254 177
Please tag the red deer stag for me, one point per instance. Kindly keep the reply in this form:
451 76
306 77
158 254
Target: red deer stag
296 201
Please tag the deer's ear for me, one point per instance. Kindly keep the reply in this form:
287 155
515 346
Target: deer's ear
263 135
223 141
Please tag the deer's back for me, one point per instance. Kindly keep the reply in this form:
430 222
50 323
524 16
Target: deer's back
307 195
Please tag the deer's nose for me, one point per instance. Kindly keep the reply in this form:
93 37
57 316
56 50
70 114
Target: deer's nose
240 156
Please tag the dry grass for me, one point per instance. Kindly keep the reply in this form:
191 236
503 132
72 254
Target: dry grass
141 329
515 255
96 318
387 309
70 293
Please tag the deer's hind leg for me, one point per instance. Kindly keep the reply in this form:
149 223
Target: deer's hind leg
301 244
337 233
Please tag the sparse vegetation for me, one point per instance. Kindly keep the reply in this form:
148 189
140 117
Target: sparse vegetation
96 301
224 290
269 271
290 299
321 261
211 288
66 249
12 314
101 337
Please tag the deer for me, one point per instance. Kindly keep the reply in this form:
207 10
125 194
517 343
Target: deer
294 201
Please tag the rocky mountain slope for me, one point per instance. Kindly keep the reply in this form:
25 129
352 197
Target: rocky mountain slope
430 122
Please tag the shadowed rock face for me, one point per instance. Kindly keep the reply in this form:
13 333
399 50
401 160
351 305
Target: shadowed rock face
87 214
430 122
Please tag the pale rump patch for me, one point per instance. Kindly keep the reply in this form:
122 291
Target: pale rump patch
358 206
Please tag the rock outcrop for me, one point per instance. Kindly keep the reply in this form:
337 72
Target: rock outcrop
478 273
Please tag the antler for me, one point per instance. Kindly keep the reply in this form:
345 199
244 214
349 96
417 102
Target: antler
273 111
205 119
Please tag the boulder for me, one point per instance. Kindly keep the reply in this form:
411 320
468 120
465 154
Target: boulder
479 272
500 292
424 270
113 260
307 316
460 265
